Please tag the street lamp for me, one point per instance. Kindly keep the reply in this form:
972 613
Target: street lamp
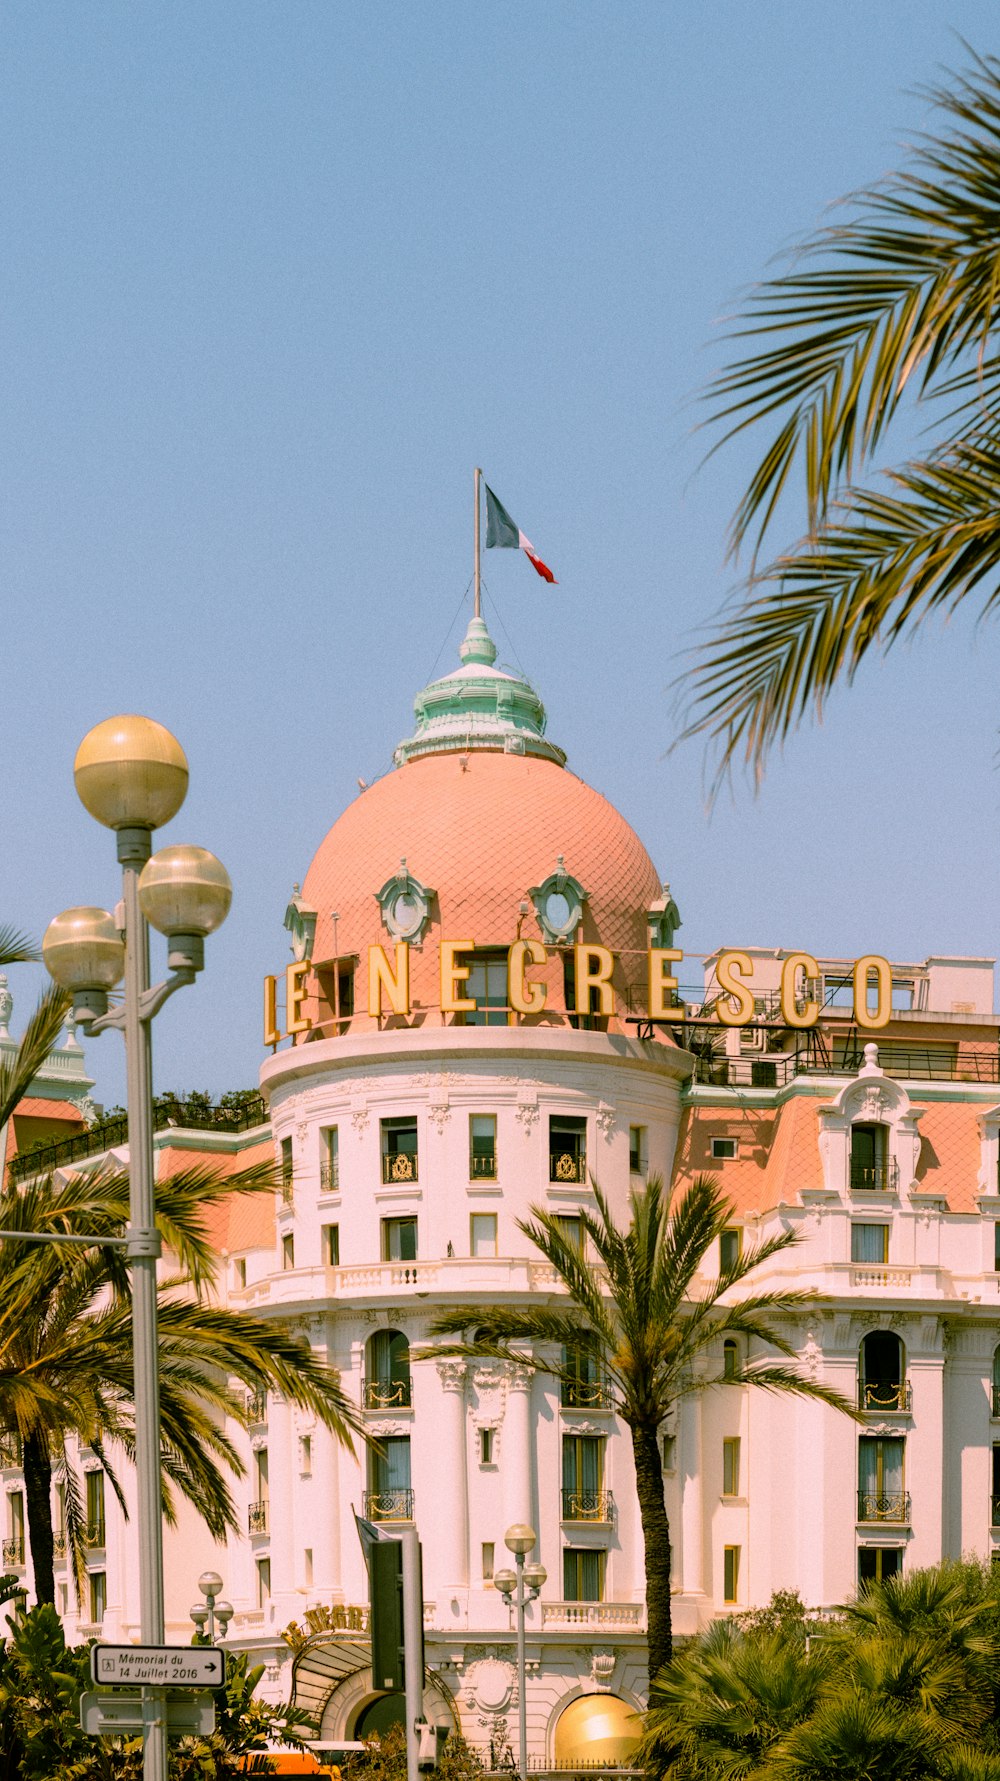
131 774
523 1585
214 1610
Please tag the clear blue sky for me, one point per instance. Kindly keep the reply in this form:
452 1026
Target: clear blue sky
275 277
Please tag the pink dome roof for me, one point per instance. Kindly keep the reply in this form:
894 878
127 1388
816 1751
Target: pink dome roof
480 830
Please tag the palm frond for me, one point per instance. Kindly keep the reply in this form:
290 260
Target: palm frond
882 564
16 948
18 1070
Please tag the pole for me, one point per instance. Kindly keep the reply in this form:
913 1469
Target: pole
143 1250
413 1645
522 1671
479 574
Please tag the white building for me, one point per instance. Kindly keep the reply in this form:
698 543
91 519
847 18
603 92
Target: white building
414 1138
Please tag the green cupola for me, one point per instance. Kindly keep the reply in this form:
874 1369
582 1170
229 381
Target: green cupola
479 706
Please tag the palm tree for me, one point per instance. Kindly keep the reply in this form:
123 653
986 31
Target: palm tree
897 305
639 1311
66 1365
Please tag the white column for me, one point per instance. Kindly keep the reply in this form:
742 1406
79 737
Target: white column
518 1496
692 1542
452 1468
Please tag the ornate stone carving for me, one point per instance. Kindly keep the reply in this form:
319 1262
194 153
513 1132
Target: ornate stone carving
359 1119
602 1665
517 1378
606 1117
452 1374
6 1007
301 1130
526 1113
489 1683
439 1114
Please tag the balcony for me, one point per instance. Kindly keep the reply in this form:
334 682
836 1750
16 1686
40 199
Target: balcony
994 1511
286 1187
11 1451
400 1165
93 1533
386 1394
874 1177
588 1505
256 1406
875 1395
567 1165
884 1506
609 1614
257 1517
388 1505
59 1542
484 1167
13 1550
329 1177
109 1134
586 1394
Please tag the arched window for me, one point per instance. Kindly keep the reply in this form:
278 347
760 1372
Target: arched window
870 1165
882 1382
730 1358
386 1384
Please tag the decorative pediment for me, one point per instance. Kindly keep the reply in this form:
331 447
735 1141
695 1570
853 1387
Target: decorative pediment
300 921
558 901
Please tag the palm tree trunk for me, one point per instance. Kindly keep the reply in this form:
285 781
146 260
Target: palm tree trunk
38 1505
656 1538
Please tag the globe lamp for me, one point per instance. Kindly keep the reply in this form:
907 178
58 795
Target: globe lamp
84 952
131 773
185 892
520 1538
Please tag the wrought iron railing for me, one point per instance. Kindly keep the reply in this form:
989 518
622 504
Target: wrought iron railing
109 1134
817 1059
13 1550
257 1517
586 1394
587 1505
257 1406
388 1505
329 1177
59 1542
567 1165
93 1533
878 1395
996 1400
286 1185
891 1505
483 1167
874 1177
387 1394
11 1451
401 1165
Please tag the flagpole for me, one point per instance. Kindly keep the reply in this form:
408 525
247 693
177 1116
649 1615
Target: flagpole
479 582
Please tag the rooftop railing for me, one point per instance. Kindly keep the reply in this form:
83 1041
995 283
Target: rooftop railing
110 1134
779 1068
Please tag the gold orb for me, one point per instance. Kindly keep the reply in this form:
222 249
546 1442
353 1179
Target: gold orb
131 773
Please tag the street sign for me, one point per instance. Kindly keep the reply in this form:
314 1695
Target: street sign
158 1666
115 1715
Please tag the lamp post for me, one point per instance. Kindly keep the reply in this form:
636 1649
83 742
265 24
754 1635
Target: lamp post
131 775
210 1584
523 1585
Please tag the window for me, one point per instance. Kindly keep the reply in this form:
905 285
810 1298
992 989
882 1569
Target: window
389 1497
730 1574
288 1250
567 1148
591 1022
995 1482
881 1496
883 1373
572 1230
996 1247
399 1239
996 1382
345 988
262 1475
730 1358
731 1466
488 1560
307 1567
306 1456
286 1169
583 1575
483 1233
878 1563
583 1496
399 1149
240 1272
730 1249
482 1147
486 1446
638 1158
723 1149
95 1509
387 1383
870 1157
97 1586
14 1544
263 1582
331 1245
329 1169
668 1447
870 1243
486 985
583 1385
